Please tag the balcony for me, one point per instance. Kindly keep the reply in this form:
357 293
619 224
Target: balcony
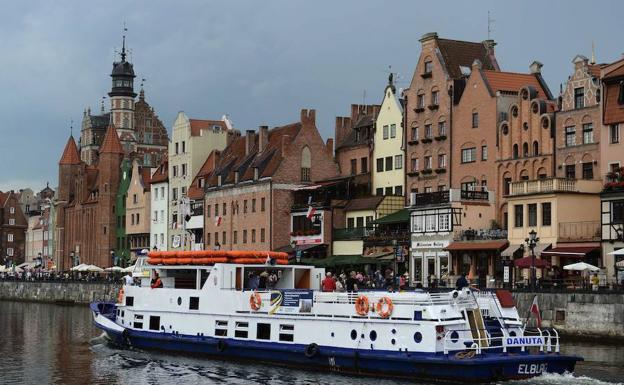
426 75
579 231
440 137
433 106
351 234
427 140
440 170
413 142
448 196
413 173
550 185
419 109
386 237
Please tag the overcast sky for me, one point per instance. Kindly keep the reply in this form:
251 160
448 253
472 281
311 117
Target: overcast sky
258 61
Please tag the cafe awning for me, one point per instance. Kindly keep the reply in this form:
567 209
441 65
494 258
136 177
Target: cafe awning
528 262
510 250
400 216
577 252
499 244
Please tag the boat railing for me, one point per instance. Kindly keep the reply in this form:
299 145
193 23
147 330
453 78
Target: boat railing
548 340
400 298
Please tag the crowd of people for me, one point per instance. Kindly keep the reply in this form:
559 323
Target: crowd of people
38 275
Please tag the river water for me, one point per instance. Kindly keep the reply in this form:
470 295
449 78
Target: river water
51 344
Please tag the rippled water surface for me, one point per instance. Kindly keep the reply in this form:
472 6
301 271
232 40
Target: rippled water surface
50 344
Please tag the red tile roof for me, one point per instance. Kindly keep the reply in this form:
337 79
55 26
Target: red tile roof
368 203
146 177
594 70
512 82
194 191
457 53
199 124
111 143
162 172
70 153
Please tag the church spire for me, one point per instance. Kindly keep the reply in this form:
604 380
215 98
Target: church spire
123 43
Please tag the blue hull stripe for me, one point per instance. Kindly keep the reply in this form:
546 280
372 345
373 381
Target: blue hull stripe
487 367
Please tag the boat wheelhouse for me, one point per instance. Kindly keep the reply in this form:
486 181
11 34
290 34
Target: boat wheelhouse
226 310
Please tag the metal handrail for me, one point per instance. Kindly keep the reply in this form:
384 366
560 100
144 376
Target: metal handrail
431 299
477 342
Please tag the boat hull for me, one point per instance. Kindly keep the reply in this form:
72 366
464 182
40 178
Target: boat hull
415 366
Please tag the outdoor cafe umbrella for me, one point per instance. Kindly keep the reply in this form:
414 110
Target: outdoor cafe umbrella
114 269
79 267
527 263
581 266
94 269
128 269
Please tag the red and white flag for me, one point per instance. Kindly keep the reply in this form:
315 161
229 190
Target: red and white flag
311 211
536 310
217 220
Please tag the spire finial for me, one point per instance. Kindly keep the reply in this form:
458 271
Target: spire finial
102 105
593 56
123 43
142 92
71 127
391 76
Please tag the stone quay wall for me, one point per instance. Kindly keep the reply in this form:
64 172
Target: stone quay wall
588 315
58 292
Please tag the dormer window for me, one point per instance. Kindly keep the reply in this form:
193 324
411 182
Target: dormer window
428 67
621 93
579 97
201 182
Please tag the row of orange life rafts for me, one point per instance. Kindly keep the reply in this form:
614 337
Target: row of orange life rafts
210 257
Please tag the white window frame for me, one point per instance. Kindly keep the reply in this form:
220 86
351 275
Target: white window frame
398 162
385 131
393 130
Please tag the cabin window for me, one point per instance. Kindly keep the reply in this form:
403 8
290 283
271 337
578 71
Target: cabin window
154 323
129 301
353 334
194 303
286 333
373 335
138 325
263 331
454 337
241 330
418 337
221 328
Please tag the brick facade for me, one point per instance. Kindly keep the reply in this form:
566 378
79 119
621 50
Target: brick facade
13 225
612 139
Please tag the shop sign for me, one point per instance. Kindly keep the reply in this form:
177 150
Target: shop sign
429 244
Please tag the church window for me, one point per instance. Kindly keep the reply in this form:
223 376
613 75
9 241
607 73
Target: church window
306 164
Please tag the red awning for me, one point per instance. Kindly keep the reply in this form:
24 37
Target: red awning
527 262
577 252
478 245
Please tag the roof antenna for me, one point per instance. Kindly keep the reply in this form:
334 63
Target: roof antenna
123 44
364 97
593 56
71 127
490 23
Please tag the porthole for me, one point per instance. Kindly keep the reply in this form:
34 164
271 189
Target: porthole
505 129
373 335
393 331
535 108
417 337
545 123
179 300
353 335
525 126
454 337
514 111
393 341
525 94
512 333
332 334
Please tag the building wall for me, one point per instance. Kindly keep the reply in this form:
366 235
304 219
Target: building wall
438 81
34 238
612 116
159 225
196 151
138 211
581 152
390 114
16 247
348 247
345 155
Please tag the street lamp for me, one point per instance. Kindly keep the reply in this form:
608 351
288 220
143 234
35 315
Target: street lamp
396 251
112 254
73 261
531 242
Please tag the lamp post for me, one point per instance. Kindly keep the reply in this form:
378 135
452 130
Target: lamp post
531 242
396 249
73 261
112 254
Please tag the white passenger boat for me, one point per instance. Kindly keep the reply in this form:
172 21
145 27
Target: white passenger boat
210 309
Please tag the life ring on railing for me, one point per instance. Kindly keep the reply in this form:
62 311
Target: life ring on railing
362 305
120 296
255 301
311 350
384 307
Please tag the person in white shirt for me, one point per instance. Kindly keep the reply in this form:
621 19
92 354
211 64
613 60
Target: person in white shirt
128 280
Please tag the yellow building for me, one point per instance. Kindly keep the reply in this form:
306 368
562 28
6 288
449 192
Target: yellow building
565 213
388 149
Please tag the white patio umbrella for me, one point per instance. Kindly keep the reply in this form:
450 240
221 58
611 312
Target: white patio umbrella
114 269
94 269
2 269
128 269
617 252
78 267
581 266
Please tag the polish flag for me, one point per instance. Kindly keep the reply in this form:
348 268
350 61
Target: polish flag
535 310
217 220
311 211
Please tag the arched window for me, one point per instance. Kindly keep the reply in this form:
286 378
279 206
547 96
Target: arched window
306 163
535 148
525 149
515 151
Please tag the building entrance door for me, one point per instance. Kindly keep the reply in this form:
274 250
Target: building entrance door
431 272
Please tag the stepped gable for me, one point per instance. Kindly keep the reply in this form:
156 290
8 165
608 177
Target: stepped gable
70 153
457 53
111 143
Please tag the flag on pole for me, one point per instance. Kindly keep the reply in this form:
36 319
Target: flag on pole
536 310
311 210
217 220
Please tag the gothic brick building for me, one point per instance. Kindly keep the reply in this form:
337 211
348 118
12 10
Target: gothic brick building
13 226
88 214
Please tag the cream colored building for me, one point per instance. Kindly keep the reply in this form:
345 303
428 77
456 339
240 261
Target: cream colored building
565 213
191 142
138 203
388 148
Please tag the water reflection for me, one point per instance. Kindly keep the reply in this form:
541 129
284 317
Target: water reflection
50 344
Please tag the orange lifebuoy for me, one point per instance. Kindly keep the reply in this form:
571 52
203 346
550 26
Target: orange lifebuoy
384 307
120 296
362 306
154 261
255 301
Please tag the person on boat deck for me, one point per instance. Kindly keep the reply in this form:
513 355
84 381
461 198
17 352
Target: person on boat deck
263 280
273 280
329 283
254 281
156 282
128 280
352 282
462 282
217 245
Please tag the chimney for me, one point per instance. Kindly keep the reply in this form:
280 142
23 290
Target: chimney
263 138
285 144
477 65
249 141
536 67
329 145
308 116
355 111
489 48
428 36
